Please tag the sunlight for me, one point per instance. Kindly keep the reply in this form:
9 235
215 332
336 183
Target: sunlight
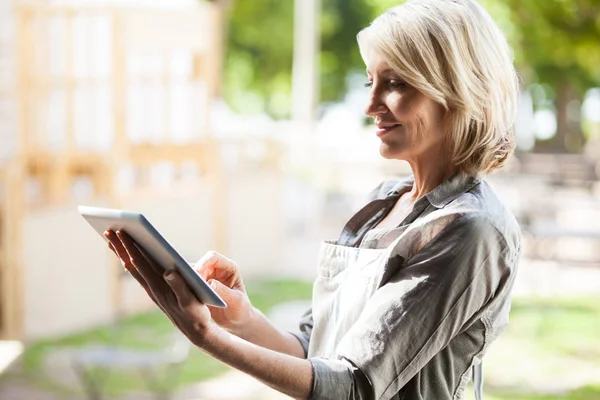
9 352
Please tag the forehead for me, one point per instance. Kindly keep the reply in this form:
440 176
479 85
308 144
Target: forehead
376 63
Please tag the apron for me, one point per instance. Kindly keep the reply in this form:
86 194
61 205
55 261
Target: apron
347 277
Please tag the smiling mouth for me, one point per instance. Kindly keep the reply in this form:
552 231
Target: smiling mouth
382 130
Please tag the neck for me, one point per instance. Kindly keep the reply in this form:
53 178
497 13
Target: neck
429 175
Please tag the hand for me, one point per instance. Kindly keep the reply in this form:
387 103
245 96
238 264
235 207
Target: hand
223 275
168 290
292 375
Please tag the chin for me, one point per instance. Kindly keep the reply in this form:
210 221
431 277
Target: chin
392 152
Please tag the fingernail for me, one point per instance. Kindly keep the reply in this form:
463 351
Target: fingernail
169 275
213 284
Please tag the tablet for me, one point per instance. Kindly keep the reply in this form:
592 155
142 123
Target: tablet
153 243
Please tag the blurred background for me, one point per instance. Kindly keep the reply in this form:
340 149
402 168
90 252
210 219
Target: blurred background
238 126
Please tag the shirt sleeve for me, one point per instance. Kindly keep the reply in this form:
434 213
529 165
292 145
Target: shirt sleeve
306 327
427 301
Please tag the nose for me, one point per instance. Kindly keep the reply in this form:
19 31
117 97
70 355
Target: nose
375 106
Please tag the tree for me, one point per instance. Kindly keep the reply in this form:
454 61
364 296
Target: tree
258 61
260 49
555 41
557 44
341 22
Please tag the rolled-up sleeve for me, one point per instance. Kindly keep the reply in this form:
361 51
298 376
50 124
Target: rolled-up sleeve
306 326
338 379
427 300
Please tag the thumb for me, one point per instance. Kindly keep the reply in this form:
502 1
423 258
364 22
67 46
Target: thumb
223 291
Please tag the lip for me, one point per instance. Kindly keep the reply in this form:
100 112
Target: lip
383 129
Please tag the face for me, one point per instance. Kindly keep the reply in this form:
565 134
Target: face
409 124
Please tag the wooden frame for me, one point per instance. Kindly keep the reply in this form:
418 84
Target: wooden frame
10 260
56 169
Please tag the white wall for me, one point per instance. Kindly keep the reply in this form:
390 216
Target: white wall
67 266
256 222
8 137
254 217
66 284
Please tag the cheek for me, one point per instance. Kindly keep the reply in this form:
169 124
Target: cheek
425 127
401 106
421 117
420 127
406 105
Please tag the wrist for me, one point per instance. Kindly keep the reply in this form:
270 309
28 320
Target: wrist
246 325
206 336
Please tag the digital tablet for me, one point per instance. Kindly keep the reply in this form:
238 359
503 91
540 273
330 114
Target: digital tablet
153 243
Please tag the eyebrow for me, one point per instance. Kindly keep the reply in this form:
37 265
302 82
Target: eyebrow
385 71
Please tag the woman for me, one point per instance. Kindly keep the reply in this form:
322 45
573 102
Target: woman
416 287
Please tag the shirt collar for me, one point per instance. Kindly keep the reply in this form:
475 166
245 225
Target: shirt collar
444 193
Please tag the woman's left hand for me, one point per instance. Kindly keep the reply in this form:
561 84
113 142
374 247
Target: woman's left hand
288 374
169 291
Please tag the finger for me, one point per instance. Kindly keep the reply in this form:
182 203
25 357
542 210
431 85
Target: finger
117 246
227 294
139 256
114 244
183 294
112 248
150 260
156 284
205 266
136 275
215 265
132 271
124 255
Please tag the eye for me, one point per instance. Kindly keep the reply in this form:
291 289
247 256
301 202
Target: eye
369 84
396 84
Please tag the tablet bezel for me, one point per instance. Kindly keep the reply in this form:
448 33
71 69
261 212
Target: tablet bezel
150 240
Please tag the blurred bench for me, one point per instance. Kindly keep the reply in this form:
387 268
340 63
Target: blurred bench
541 233
562 169
94 363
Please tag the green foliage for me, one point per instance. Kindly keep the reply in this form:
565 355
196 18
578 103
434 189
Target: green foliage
547 324
547 338
558 41
584 393
266 294
258 69
556 44
340 23
259 56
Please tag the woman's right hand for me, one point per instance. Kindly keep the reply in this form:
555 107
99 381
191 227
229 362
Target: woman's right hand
223 275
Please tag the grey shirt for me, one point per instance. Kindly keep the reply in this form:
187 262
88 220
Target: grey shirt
444 295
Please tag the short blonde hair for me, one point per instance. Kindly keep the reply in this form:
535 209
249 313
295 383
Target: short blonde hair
453 52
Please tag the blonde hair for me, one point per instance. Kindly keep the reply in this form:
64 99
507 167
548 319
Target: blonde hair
453 52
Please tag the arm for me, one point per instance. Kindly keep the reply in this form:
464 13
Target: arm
288 374
240 318
260 331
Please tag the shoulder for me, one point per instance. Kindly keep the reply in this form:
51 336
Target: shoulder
481 211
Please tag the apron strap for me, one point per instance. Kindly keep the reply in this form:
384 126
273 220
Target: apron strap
478 381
